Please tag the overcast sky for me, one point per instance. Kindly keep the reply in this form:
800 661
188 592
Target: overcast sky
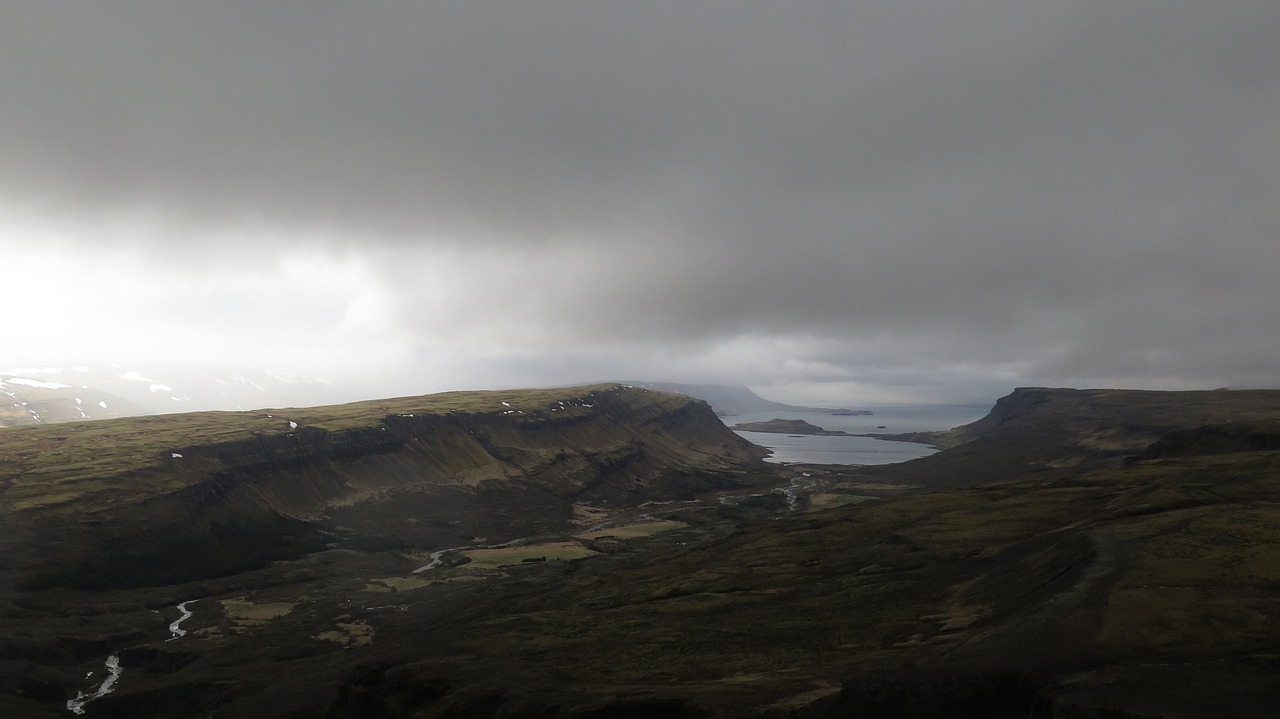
852 201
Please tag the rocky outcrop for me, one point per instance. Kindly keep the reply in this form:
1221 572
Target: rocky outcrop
1049 433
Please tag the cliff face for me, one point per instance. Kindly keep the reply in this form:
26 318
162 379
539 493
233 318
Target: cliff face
1047 431
1143 415
503 466
1112 420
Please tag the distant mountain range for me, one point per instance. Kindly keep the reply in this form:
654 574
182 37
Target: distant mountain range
49 393
728 400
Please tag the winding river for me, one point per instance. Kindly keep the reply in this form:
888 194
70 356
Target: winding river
176 627
114 668
437 557
798 484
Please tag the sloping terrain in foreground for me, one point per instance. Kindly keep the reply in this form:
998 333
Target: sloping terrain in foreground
1104 554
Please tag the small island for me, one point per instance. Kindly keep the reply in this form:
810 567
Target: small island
788 426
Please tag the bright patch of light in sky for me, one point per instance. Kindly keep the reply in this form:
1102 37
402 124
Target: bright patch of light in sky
312 310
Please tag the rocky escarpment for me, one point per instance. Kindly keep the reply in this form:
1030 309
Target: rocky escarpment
1047 432
402 474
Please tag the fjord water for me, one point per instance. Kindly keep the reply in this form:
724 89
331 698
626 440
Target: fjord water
889 419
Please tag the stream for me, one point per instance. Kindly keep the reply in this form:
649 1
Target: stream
798 484
791 493
437 557
114 669
176 627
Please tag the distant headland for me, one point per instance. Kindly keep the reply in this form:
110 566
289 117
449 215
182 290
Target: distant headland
788 426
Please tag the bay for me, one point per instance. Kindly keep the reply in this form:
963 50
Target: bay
813 449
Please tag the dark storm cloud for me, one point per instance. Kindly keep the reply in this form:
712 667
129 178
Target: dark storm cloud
1056 192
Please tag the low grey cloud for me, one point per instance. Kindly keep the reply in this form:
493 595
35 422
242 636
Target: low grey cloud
913 199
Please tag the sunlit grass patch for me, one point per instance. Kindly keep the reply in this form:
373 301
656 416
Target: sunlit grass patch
823 500
638 529
245 614
349 634
507 556
397 584
359 632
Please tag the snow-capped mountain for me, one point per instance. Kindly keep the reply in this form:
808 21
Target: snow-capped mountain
41 393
